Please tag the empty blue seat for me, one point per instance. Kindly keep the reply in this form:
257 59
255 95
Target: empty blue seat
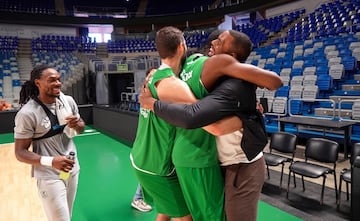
287 63
255 62
322 70
276 69
298 57
308 63
321 61
318 50
268 66
278 61
283 91
325 82
345 52
295 107
349 63
296 72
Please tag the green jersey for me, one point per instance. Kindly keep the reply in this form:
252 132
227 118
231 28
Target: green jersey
151 152
194 148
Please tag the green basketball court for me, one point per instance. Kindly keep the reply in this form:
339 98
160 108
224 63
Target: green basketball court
107 183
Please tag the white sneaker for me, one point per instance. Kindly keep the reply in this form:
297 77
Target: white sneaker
140 205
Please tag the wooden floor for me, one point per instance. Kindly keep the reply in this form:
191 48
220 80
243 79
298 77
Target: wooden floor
19 199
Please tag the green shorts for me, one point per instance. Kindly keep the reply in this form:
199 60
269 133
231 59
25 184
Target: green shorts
164 192
203 190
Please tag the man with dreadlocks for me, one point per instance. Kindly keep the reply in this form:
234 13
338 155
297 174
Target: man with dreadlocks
48 120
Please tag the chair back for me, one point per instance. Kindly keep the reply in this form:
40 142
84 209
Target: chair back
355 152
283 142
322 150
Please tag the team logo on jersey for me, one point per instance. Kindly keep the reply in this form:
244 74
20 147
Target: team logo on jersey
144 112
150 80
186 75
46 122
43 194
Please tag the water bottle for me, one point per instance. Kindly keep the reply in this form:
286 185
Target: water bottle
65 175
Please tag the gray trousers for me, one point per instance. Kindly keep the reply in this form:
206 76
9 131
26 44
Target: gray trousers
57 197
243 185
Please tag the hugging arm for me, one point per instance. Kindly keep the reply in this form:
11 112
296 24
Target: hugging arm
222 64
225 101
204 112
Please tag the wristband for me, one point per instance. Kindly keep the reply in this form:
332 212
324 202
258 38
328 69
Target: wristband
46 161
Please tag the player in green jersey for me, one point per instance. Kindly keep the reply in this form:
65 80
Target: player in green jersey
152 149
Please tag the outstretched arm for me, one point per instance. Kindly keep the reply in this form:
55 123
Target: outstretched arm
223 64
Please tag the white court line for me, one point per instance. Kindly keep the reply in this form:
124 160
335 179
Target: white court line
87 134
80 135
6 143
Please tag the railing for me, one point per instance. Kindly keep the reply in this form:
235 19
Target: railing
354 102
312 100
283 114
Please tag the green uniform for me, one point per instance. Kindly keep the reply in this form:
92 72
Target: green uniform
195 157
151 157
151 152
194 148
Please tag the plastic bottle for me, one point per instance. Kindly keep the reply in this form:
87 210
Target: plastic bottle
65 175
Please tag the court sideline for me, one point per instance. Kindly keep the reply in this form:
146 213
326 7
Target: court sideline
106 187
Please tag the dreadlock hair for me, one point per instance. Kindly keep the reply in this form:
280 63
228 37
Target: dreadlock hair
29 89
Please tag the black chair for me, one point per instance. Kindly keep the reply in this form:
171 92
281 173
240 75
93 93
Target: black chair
281 143
355 190
317 150
345 174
